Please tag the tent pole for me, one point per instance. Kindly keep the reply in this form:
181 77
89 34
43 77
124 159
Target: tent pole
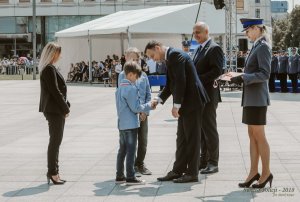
122 43
90 57
129 37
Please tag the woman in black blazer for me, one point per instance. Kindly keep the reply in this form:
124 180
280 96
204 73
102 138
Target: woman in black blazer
54 105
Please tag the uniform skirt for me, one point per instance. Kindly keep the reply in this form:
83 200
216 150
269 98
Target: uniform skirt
254 115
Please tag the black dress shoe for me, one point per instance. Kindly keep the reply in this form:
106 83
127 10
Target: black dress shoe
202 166
186 178
170 176
210 169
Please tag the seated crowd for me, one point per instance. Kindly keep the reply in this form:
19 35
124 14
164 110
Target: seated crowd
107 71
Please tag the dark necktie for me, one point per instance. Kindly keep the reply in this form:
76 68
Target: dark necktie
197 53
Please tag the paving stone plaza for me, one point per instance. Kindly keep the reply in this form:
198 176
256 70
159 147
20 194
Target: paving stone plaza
89 149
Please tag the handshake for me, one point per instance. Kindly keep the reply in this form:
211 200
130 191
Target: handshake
154 103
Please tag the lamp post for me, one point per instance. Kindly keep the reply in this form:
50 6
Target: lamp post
34 37
115 6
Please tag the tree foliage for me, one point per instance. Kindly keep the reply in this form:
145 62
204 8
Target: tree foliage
292 38
279 32
286 31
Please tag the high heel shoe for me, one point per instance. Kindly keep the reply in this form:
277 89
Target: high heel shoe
262 185
61 179
247 184
49 177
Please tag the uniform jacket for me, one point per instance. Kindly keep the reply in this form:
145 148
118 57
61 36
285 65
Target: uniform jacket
274 65
293 64
128 105
209 65
257 72
283 64
53 98
183 82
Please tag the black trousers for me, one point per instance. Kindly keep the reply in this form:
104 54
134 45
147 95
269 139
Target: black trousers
56 123
188 143
283 82
210 135
142 143
272 82
294 80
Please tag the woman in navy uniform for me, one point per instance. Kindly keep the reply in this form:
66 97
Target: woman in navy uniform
54 105
255 100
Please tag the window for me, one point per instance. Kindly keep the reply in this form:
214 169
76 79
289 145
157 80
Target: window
240 4
24 1
67 1
257 13
46 1
257 1
4 2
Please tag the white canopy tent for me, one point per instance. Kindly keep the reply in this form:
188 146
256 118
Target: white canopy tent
110 34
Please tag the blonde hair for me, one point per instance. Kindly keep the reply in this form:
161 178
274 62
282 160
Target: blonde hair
133 50
265 33
48 54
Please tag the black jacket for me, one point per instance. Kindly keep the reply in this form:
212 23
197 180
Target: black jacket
183 82
53 97
209 67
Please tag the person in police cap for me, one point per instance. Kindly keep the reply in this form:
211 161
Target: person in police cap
283 62
274 71
186 47
293 69
255 100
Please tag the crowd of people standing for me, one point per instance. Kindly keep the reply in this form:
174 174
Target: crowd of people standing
285 66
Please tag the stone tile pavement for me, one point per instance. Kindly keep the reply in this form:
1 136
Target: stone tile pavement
89 148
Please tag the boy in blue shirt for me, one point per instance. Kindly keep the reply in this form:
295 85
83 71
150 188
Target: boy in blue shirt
128 109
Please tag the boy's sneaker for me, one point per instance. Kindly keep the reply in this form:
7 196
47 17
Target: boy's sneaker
135 181
144 171
120 180
137 172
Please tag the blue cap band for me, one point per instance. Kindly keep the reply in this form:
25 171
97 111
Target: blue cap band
252 22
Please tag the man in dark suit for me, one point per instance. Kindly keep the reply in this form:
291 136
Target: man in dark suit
189 98
208 59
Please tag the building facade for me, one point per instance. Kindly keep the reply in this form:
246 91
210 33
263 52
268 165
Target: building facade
279 9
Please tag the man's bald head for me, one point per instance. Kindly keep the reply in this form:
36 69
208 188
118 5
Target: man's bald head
202 26
201 32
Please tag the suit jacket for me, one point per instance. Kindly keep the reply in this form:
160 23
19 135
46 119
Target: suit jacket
257 72
53 97
209 65
183 82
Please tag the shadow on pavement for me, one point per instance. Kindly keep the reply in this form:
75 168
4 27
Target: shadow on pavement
148 190
28 191
235 196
